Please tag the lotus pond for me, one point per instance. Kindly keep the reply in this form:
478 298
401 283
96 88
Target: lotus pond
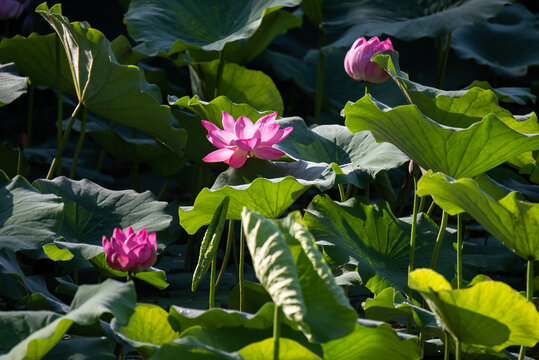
278 179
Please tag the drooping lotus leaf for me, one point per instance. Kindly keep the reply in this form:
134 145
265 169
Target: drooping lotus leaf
12 85
406 20
513 33
28 218
488 314
517 95
453 151
170 26
511 221
288 350
116 92
373 239
295 274
46 330
378 341
271 197
147 329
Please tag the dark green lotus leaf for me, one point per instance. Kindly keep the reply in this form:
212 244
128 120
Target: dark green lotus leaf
374 240
271 197
488 314
454 151
28 218
378 341
511 221
91 211
507 94
89 304
406 20
83 348
170 26
288 350
124 52
293 271
513 33
12 85
191 348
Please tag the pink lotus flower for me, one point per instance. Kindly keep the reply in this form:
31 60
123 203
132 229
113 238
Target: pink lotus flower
130 251
358 64
10 9
242 139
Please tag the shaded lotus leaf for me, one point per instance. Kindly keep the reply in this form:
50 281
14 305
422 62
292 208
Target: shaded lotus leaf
373 239
124 52
376 341
12 85
488 314
293 271
46 330
507 94
28 218
170 26
510 220
513 33
406 20
271 197
453 151
191 348
83 348
288 350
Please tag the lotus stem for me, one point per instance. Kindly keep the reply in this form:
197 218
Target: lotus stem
529 296
446 346
79 144
319 77
349 191
431 208
30 114
240 269
219 75
443 55
229 241
459 251
341 192
412 234
439 240
19 160
212 281
421 204
367 87
60 102
276 331
402 87
458 349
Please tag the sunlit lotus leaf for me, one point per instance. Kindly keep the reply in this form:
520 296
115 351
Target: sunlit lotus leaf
453 151
513 32
376 341
512 221
406 20
46 329
293 271
288 350
372 239
488 314
28 218
147 330
170 26
267 196
12 85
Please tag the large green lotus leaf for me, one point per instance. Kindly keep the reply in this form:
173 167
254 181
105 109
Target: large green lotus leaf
238 83
88 305
454 151
12 85
147 330
28 218
295 274
83 348
116 92
91 211
373 239
268 196
512 221
171 25
488 314
288 350
406 20
517 95
378 341
191 348
513 32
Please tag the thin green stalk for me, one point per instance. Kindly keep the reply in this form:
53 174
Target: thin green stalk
349 190
439 240
213 273
421 204
163 188
529 296
319 77
65 137
458 349
219 75
431 208
459 251
276 331
404 90
19 160
229 241
442 63
240 269
367 87
30 114
79 144
412 234
446 346
341 192
60 102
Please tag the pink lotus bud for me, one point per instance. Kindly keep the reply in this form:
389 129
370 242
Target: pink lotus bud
358 64
130 251
11 9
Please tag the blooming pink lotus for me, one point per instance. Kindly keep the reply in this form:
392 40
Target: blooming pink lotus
358 64
242 139
130 251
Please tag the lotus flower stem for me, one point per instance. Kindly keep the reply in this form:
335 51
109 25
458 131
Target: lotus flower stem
30 113
446 346
60 102
367 87
276 331
421 204
529 296
213 288
240 269
459 251
65 137
229 241
443 55
79 144
439 240
319 77
219 75
458 349
412 234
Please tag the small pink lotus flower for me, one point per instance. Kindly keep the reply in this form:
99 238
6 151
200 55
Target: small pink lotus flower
130 251
242 139
10 9
358 64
